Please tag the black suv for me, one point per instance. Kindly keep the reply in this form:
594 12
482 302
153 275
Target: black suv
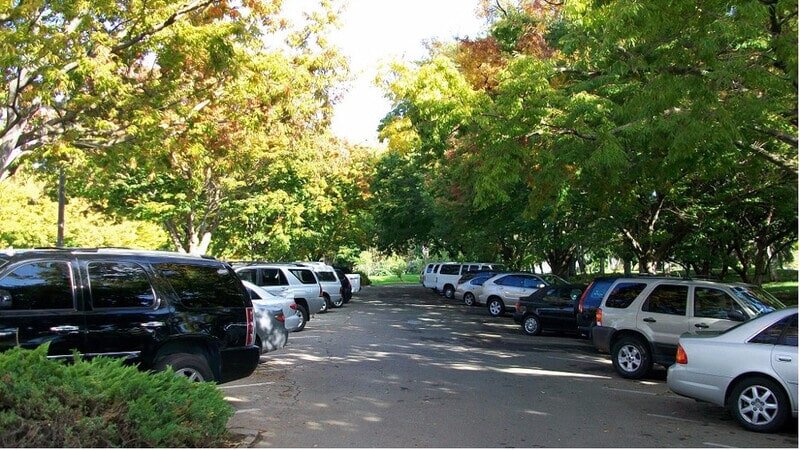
155 309
550 308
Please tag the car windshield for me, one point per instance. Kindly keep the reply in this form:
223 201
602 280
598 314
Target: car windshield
551 278
757 300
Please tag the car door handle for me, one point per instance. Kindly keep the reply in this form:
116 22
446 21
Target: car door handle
700 325
152 324
785 358
649 320
65 329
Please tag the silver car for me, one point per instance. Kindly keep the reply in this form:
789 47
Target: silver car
293 317
501 292
750 369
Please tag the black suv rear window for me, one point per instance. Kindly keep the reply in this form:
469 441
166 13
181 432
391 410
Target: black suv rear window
624 294
204 286
119 285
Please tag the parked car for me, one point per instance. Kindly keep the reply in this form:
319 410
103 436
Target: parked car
286 279
347 286
506 289
428 276
550 308
331 286
751 369
293 319
640 319
154 309
470 286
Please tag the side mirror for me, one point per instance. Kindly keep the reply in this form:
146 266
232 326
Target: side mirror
736 316
540 285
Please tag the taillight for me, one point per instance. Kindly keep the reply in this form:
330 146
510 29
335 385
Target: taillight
680 356
293 306
280 317
583 297
519 307
320 291
251 328
598 317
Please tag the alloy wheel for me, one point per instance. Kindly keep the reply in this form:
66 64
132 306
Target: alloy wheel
758 405
629 358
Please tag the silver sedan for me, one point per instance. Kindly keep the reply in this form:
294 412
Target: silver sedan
751 369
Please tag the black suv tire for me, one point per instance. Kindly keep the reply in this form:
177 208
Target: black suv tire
190 365
631 357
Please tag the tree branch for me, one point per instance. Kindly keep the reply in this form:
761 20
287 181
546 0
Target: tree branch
186 9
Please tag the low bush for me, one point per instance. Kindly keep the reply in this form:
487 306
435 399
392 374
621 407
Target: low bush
365 281
104 403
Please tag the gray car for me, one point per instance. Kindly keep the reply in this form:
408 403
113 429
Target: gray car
750 369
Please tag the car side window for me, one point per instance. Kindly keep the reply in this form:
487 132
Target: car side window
429 269
624 294
273 277
532 282
790 335
305 276
713 303
772 334
119 285
510 280
38 285
667 299
248 275
449 269
203 286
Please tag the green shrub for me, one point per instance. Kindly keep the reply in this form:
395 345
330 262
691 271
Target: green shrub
103 403
365 281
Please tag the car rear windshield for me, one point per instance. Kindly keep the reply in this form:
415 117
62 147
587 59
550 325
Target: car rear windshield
757 300
327 276
596 292
304 275
201 286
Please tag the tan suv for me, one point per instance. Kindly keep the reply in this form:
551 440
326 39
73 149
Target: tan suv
640 319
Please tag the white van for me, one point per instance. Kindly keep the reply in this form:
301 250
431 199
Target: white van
447 275
428 275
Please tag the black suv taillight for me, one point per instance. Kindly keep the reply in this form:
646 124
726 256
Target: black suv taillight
251 328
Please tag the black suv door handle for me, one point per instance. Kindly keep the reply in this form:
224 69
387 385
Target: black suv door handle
649 319
700 325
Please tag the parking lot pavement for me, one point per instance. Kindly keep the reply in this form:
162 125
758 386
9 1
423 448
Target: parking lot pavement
403 367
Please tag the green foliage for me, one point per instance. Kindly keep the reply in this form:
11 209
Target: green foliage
103 403
28 218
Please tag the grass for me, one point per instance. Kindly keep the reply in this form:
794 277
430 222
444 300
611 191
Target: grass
383 280
786 291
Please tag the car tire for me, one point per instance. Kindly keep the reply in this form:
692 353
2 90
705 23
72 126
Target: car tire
304 313
759 404
631 358
449 292
469 299
326 303
495 306
338 303
189 365
531 325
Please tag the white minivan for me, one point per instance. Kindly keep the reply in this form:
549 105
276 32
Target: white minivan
447 275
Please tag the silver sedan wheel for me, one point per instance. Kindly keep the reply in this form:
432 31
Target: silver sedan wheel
495 308
190 373
758 405
469 299
629 358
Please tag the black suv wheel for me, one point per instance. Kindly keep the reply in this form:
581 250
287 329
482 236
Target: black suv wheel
189 365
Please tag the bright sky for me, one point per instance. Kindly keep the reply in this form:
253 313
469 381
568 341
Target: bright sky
377 31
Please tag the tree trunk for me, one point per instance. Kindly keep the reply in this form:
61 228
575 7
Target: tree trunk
626 264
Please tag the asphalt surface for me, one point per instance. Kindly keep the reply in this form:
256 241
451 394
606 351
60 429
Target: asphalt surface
402 367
